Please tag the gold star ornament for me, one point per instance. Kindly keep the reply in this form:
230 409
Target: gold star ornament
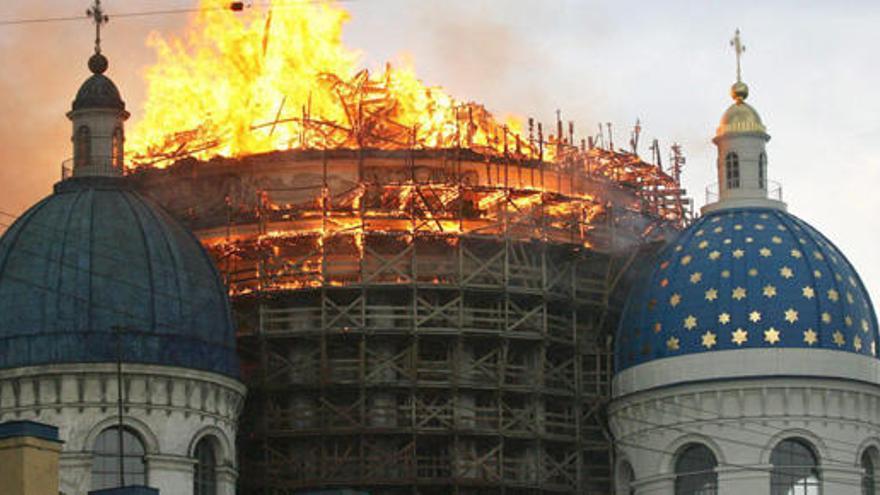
791 315
724 318
808 292
769 291
674 300
738 293
810 336
711 295
739 337
838 338
690 322
672 343
833 295
709 340
771 335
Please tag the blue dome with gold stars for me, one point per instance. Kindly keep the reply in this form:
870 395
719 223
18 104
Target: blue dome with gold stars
746 278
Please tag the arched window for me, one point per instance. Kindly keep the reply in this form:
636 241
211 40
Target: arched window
731 167
795 469
205 476
869 482
695 471
105 467
82 146
762 170
625 479
118 147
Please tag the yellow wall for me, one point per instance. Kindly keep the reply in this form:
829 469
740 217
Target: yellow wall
29 466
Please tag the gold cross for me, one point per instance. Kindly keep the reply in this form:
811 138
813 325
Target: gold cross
737 45
96 12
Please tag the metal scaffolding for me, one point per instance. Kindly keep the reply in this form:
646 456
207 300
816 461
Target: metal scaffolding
424 321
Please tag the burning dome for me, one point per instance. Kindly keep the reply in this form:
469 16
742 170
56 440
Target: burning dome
95 256
747 279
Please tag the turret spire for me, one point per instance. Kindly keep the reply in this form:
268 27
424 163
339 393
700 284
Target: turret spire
741 139
98 114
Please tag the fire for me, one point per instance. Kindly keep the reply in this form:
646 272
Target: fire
279 78
242 85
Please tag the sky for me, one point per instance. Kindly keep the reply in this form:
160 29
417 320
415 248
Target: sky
810 66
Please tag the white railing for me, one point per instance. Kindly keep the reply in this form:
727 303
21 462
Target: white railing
774 191
95 165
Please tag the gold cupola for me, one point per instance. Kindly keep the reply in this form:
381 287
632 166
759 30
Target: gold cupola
740 117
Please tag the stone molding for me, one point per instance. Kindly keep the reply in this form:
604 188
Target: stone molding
741 421
787 400
722 366
152 389
168 408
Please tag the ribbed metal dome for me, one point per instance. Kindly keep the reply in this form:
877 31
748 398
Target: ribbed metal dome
747 278
98 92
740 118
95 256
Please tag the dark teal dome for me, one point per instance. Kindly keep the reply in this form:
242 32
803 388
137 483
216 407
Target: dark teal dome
95 256
746 278
98 92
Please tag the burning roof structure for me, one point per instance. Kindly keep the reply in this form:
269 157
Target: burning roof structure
424 293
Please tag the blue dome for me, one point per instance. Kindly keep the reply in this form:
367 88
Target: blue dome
96 256
746 278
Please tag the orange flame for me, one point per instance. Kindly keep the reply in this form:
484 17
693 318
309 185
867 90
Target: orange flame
281 78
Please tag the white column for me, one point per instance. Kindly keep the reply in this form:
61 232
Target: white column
751 480
171 474
841 480
75 472
657 485
226 477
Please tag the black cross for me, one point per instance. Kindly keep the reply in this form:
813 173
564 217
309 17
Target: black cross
96 12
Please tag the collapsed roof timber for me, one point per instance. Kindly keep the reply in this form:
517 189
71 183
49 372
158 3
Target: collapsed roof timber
310 205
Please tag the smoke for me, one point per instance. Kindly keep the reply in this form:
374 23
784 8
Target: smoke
36 87
484 52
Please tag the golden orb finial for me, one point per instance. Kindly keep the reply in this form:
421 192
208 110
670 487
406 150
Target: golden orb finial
739 91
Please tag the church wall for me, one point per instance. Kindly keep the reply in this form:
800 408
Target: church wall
169 408
741 421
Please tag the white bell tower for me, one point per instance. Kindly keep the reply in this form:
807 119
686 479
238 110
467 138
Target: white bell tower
741 139
98 116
